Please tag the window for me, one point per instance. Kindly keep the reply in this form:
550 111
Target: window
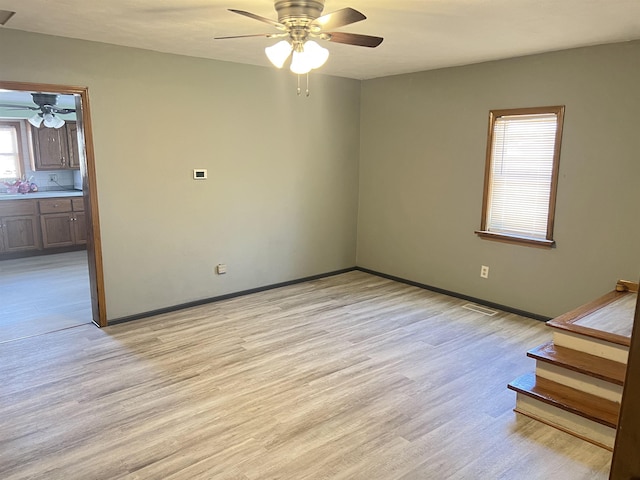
521 175
10 149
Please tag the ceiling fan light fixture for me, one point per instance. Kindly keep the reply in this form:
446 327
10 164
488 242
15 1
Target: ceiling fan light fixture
58 122
278 53
51 121
300 20
307 57
317 55
36 120
300 63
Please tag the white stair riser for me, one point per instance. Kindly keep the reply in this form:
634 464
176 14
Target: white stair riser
579 381
592 346
576 425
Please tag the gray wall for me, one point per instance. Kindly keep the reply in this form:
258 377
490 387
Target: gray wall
281 199
423 140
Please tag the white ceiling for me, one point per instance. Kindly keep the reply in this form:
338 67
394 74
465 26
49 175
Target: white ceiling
419 34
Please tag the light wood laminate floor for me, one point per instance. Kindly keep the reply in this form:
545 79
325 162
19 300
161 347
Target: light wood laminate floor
348 377
43 294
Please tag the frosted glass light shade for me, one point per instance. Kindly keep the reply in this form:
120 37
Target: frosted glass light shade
300 63
278 53
36 120
51 121
58 122
307 57
317 55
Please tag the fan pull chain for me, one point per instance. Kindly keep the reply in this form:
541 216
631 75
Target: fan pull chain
307 92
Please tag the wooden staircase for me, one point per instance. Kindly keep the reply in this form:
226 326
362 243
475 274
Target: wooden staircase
579 377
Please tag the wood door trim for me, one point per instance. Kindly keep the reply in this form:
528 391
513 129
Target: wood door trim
90 194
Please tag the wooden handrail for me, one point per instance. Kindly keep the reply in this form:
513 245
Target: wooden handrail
626 286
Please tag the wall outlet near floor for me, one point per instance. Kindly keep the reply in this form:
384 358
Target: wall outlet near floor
484 271
221 269
53 177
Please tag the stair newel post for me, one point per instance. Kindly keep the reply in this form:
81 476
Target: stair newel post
626 461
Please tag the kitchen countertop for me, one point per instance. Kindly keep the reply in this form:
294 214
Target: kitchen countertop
37 195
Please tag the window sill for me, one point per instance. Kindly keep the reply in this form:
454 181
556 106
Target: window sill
503 237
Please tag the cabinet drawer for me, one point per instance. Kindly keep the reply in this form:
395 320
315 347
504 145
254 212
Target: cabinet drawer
17 207
55 205
78 204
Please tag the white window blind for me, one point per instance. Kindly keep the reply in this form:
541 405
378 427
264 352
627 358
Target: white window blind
520 180
9 152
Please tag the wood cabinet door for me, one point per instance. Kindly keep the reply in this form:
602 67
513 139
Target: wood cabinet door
50 148
80 228
72 142
20 233
57 230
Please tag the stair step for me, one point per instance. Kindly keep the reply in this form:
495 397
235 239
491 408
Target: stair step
600 319
591 407
591 365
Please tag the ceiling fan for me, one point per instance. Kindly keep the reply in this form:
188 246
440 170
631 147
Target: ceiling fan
47 109
299 23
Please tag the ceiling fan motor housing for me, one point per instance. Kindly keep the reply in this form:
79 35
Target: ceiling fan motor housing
293 11
42 99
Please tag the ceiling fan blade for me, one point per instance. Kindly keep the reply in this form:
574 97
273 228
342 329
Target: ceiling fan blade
273 23
337 19
63 111
355 39
268 35
17 107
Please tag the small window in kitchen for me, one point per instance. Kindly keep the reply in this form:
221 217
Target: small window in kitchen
521 175
10 149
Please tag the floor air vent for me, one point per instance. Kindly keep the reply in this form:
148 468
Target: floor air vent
477 308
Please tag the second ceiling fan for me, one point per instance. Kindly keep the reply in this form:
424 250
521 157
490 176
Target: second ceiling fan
299 23
47 108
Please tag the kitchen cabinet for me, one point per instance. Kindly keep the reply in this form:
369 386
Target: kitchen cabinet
79 221
18 226
55 148
63 222
72 143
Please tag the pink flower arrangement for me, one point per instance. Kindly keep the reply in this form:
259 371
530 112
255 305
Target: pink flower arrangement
21 186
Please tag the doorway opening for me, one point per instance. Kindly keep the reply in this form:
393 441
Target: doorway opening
50 249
